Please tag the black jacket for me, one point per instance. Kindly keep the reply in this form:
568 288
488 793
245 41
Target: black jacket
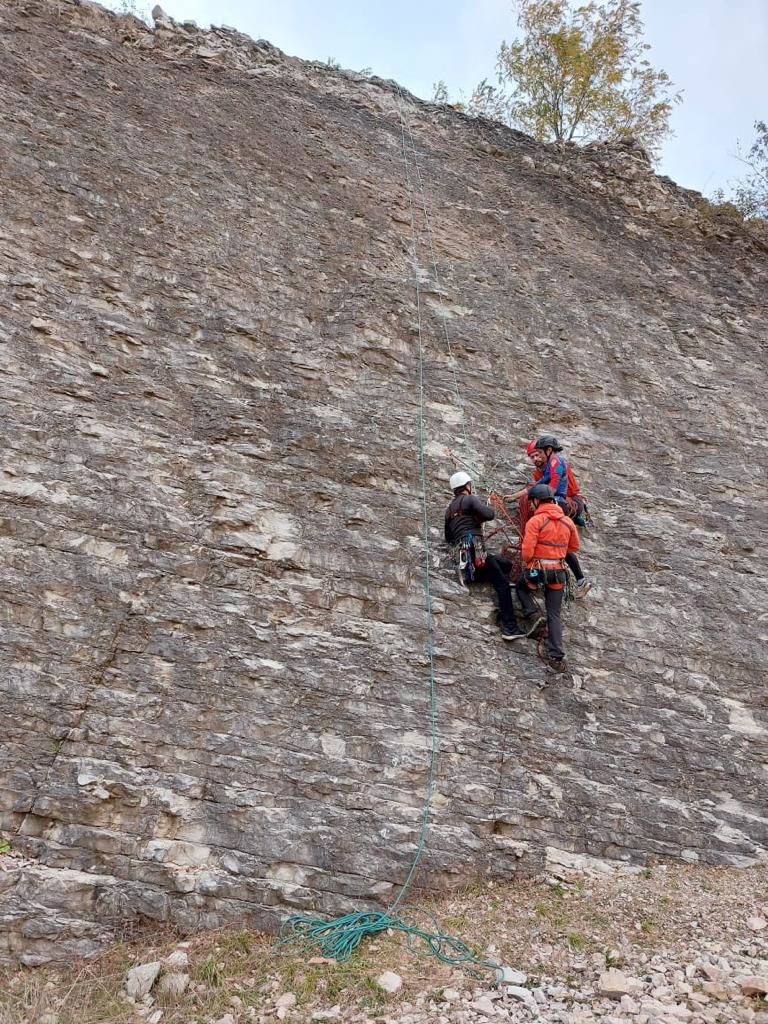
466 514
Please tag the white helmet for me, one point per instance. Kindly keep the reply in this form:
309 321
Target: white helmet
460 479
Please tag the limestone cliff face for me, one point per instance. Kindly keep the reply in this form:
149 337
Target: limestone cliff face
213 671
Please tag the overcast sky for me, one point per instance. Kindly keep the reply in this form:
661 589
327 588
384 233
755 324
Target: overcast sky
716 51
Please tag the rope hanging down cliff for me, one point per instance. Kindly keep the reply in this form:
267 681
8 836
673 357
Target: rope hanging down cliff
339 938
497 501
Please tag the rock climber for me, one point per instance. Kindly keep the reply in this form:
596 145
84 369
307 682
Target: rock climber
553 469
550 536
464 520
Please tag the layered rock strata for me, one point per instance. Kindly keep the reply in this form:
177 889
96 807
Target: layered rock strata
214 682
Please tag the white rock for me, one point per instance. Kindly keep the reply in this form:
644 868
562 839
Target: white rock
509 976
483 1005
757 923
287 999
331 1014
529 162
141 979
628 1005
390 982
710 972
48 1018
178 960
451 995
226 1019
173 984
662 992
155 1018
524 996
653 1008
613 984
490 993
678 1011
754 985
746 1014
715 990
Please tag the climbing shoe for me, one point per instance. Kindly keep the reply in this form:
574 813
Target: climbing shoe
515 633
583 587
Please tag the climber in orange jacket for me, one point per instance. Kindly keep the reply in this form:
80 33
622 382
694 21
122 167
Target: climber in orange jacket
549 537
551 468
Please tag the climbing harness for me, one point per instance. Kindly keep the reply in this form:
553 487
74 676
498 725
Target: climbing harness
469 554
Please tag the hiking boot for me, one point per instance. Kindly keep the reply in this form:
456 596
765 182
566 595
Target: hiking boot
557 664
583 587
535 624
513 633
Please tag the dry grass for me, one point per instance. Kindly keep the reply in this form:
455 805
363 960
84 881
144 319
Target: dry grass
230 971
671 907
544 929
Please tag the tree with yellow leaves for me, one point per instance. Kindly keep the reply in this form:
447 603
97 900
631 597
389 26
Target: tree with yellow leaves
579 75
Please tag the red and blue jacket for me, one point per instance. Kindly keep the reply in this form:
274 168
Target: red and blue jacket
556 475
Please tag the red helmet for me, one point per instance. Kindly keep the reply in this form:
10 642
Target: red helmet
531 448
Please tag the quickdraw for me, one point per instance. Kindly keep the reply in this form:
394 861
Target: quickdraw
470 555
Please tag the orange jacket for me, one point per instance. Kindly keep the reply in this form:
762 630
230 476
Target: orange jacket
549 535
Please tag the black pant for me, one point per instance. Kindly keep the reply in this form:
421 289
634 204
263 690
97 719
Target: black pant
553 602
571 560
575 567
496 572
575 508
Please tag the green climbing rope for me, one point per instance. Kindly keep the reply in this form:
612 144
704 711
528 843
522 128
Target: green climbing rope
339 938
